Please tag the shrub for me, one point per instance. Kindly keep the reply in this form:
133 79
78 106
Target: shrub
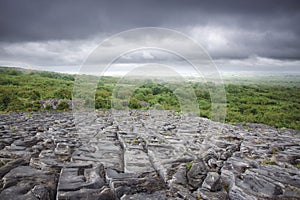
63 106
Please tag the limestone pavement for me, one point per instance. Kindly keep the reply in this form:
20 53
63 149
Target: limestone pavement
144 155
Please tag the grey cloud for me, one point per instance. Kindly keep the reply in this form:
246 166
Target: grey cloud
44 20
63 30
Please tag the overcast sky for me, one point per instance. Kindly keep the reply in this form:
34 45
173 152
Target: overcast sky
238 35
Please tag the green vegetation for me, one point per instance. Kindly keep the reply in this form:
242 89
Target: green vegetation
226 187
2 163
22 90
269 162
63 106
189 165
135 140
274 100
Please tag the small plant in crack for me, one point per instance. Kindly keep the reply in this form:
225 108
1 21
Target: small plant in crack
297 165
189 165
270 161
136 140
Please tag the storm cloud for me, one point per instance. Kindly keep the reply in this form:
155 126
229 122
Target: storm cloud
62 33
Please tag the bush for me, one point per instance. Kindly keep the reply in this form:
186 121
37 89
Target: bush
4 101
63 94
48 107
102 103
158 107
134 104
15 105
63 106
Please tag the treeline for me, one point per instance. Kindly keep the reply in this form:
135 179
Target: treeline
275 105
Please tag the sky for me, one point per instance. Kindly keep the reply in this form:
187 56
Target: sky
60 35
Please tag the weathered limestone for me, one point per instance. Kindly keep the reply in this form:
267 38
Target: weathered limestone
144 155
26 182
212 182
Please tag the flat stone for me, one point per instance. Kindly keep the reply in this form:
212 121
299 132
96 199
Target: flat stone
144 155
113 174
13 147
69 180
10 165
238 193
147 182
22 180
205 194
137 161
27 142
257 184
19 192
84 194
145 196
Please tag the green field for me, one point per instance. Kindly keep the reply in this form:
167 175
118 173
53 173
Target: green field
272 100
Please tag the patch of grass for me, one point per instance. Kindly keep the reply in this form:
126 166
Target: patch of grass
297 165
248 128
2 163
226 187
189 165
244 123
268 162
135 140
63 106
274 151
257 142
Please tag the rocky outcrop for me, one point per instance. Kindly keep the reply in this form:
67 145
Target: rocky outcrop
144 155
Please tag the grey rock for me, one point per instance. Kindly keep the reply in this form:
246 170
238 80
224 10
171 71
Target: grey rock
144 196
238 193
87 194
27 142
212 182
21 180
19 192
41 192
13 147
180 176
10 165
212 163
225 155
143 155
136 160
72 179
134 183
177 191
208 195
257 184
197 174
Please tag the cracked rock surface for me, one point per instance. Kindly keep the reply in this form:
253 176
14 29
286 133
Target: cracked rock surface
144 155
